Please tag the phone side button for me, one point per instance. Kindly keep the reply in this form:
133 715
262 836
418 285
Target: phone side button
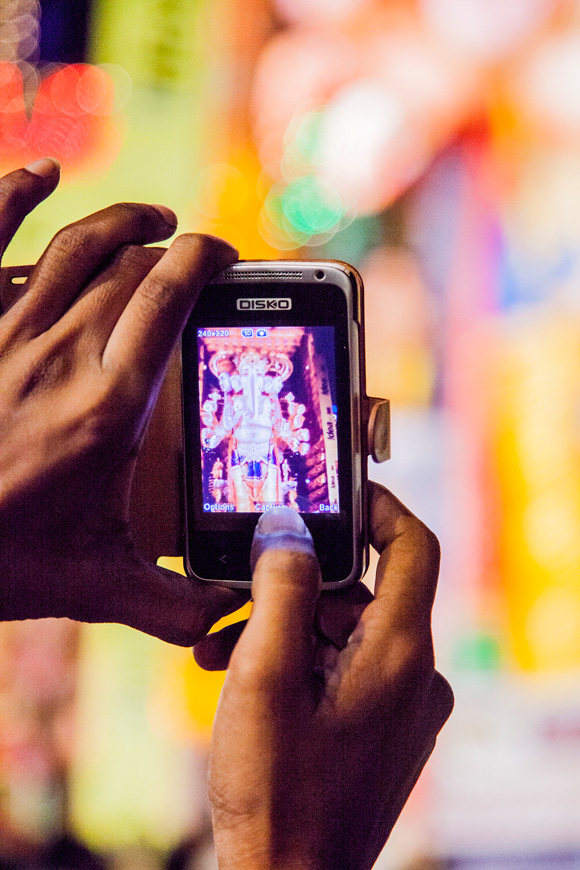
379 429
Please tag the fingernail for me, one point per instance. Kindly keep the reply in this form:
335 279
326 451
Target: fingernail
281 519
280 528
168 214
45 167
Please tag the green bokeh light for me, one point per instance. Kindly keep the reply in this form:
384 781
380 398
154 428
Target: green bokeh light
479 651
312 205
303 137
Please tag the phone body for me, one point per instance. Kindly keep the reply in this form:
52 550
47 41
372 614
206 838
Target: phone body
273 371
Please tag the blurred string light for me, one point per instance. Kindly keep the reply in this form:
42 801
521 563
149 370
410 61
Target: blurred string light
19 42
19 30
63 110
300 208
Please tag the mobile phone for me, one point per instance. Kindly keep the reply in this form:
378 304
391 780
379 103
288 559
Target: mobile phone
273 372
274 412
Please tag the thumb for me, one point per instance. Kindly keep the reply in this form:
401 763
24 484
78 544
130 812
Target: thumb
285 587
21 191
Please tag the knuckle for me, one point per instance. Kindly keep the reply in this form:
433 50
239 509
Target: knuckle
248 673
74 241
227 809
126 221
189 254
10 188
102 426
144 223
410 664
263 676
428 538
108 407
417 658
154 293
98 416
426 544
443 698
140 215
46 365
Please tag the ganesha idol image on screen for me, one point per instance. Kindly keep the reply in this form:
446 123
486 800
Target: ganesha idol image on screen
268 420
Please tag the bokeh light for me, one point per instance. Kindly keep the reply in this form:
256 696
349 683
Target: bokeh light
307 58
321 11
121 82
365 114
546 87
19 30
66 113
488 28
368 146
311 206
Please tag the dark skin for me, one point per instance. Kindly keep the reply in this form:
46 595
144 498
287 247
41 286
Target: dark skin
82 355
332 703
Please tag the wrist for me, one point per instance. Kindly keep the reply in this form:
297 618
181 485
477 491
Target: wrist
246 855
49 582
256 843
251 845
22 595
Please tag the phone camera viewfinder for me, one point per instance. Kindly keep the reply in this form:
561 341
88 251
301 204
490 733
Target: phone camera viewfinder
319 275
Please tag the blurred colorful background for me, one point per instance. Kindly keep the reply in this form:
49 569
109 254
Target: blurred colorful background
435 145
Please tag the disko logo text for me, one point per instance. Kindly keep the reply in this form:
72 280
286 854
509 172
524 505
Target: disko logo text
278 303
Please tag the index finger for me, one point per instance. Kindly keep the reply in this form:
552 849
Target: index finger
408 568
389 656
392 643
154 318
21 191
406 576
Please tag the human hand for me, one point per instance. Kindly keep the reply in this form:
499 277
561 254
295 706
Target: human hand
82 354
331 704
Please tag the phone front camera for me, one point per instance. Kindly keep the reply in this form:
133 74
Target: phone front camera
319 275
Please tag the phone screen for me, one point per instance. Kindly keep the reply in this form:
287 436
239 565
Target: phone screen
272 367
268 418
